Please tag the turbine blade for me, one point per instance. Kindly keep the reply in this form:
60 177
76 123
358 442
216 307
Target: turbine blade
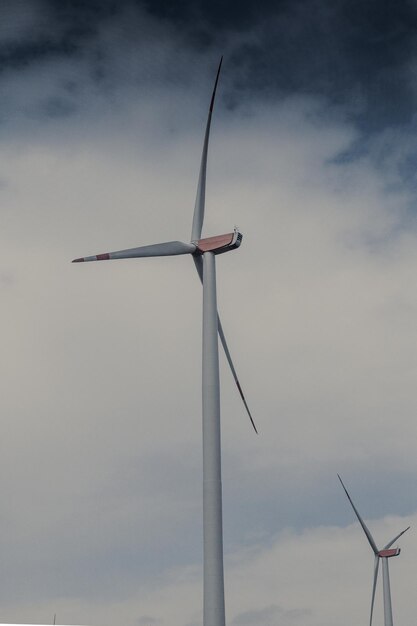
361 522
199 266
376 566
200 200
395 538
232 368
169 248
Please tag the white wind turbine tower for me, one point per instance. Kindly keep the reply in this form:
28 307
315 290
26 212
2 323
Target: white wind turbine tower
386 553
204 253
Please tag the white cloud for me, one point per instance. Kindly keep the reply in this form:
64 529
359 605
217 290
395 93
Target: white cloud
320 576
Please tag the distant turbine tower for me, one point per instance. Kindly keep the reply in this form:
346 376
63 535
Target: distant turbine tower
384 555
204 252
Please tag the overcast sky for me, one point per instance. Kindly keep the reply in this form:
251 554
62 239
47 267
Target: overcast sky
313 154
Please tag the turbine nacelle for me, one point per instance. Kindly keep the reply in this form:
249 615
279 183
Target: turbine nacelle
386 554
219 243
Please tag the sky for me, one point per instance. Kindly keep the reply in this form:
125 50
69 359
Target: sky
313 155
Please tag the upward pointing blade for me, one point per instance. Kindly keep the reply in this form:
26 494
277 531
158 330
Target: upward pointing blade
376 565
395 538
199 267
169 248
361 522
200 200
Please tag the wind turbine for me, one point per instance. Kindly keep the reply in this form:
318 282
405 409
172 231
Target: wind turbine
204 252
386 553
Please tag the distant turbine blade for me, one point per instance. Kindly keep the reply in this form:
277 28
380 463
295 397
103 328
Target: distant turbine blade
361 522
395 538
376 566
198 217
199 266
170 248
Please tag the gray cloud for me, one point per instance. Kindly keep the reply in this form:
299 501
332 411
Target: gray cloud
148 620
270 616
7 278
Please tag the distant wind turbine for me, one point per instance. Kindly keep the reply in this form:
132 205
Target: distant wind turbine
204 252
386 553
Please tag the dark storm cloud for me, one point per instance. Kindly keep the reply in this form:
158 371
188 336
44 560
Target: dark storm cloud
356 55
352 53
349 51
